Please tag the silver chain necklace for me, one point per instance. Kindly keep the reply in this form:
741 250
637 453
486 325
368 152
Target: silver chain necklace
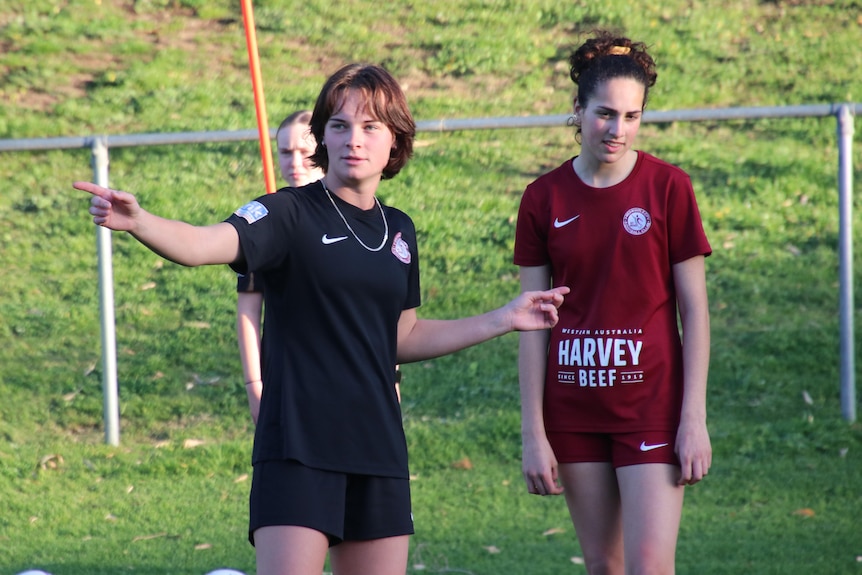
343 219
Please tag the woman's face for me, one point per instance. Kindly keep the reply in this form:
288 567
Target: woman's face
611 119
358 144
295 145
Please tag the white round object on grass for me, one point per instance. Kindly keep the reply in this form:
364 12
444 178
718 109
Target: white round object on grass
33 572
225 572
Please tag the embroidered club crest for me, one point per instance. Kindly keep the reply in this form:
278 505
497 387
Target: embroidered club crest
637 221
400 249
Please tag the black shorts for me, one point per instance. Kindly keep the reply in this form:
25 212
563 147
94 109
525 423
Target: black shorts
343 506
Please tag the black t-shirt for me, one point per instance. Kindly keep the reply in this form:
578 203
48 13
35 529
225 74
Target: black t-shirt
330 328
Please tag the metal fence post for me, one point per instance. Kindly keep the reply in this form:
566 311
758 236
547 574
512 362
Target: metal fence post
845 258
111 409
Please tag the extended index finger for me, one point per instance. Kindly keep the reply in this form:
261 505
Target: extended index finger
92 188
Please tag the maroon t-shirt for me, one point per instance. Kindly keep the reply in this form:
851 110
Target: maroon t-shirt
615 357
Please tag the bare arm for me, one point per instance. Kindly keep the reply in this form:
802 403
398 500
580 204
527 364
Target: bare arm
248 312
174 240
539 464
692 443
420 339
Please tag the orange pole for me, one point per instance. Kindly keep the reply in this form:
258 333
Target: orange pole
259 102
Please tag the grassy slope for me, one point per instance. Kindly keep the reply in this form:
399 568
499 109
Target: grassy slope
784 494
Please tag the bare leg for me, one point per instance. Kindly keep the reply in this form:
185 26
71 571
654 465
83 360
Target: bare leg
594 504
651 511
290 550
387 556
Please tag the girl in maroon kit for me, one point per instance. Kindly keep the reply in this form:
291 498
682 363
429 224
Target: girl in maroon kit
613 400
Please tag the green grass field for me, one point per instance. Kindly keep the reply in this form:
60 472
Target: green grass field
785 493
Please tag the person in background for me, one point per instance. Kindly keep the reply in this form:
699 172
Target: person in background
340 273
613 402
295 144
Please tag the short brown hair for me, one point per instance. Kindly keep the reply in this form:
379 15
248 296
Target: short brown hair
386 102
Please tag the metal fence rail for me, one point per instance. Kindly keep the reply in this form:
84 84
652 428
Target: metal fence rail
843 113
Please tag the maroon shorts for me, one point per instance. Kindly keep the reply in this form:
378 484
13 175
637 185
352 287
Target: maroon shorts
620 449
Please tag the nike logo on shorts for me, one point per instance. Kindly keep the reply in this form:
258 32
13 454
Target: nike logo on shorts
559 224
647 447
327 240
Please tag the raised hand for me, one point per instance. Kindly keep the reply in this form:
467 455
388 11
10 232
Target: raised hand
536 309
111 208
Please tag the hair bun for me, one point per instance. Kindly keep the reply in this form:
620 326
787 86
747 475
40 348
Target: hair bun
619 50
